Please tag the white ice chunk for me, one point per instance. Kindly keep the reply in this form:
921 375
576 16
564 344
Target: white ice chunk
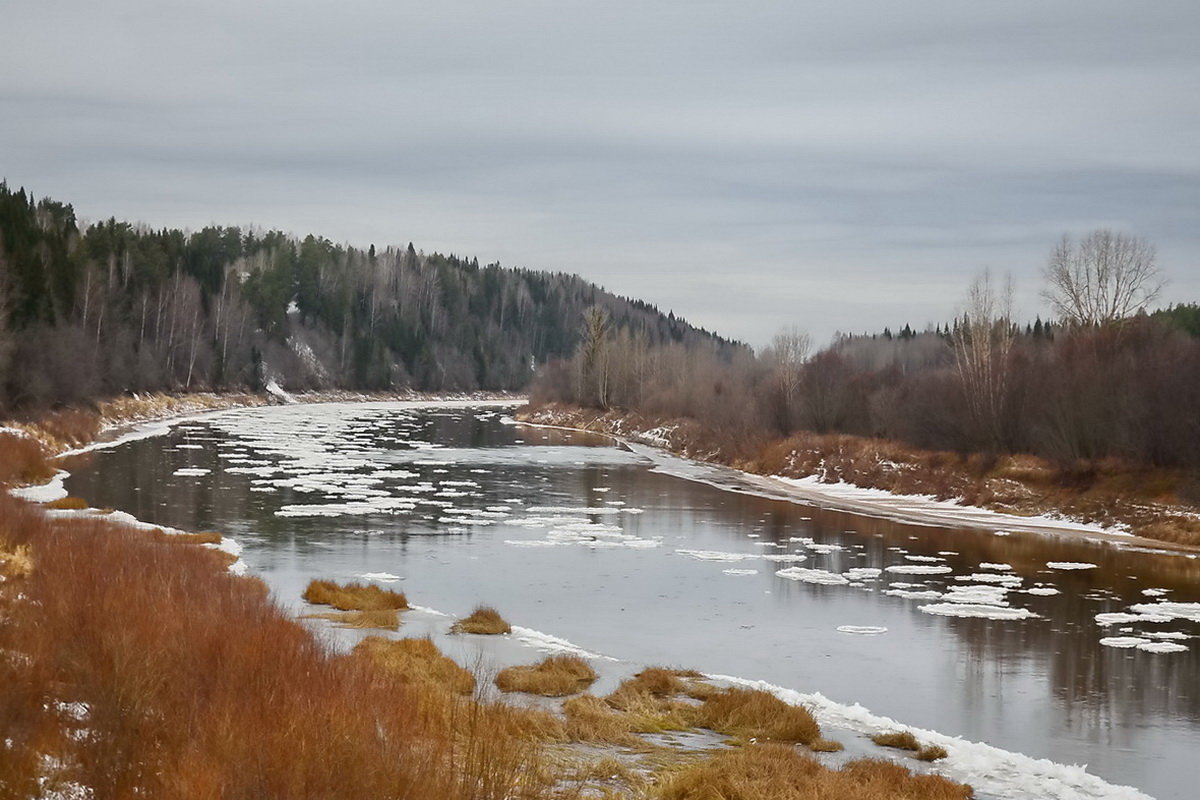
919 569
862 630
1070 565
981 611
805 575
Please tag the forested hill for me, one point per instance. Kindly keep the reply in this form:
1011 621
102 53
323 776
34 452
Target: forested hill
117 307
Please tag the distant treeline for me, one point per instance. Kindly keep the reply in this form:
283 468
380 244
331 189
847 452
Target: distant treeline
1127 388
117 307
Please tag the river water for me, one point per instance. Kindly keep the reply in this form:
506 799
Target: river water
620 553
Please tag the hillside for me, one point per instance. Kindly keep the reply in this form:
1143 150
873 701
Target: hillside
117 307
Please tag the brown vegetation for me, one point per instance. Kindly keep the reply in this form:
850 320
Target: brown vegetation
826 746
779 772
932 752
554 676
483 620
754 714
221 698
354 596
204 537
68 504
903 740
23 460
416 661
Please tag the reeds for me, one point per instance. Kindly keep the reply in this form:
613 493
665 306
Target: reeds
416 661
23 460
483 620
68 504
554 676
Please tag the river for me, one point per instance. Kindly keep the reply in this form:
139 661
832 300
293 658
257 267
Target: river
574 536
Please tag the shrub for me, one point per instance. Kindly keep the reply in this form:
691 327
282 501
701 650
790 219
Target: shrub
23 460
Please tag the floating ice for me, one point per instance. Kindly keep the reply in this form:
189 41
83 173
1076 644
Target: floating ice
717 555
1070 565
924 558
786 558
552 644
977 594
862 573
919 569
995 566
914 594
812 576
381 577
863 630
191 472
990 577
825 548
980 611
1163 647
1044 591
1154 592
1190 611
189 447
734 571
1124 641
1119 617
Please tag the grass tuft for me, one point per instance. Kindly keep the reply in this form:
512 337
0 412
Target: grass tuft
68 504
354 596
555 676
903 740
826 746
416 661
932 752
483 620
16 561
754 714
385 618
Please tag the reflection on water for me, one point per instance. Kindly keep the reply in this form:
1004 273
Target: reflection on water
567 534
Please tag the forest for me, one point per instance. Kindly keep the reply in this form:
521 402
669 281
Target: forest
1105 380
90 311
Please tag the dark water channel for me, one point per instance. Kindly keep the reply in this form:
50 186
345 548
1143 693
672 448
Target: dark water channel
569 535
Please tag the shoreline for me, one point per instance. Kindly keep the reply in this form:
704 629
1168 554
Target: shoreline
124 431
920 509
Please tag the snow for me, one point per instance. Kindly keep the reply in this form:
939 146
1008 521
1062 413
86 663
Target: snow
546 643
977 611
992 771
818 576
45 493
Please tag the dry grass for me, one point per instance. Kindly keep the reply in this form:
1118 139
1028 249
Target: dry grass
68 504
416 661
383 618
16 561
826 746
23 460
206 537
777 772
932 752
590 719
647 701
903 740
225 698
354 596
483 620
754 714
555 676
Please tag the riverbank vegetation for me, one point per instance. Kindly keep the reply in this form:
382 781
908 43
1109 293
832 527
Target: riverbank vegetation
1092 416
484 620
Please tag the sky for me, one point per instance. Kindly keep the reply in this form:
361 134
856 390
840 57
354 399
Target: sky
839 166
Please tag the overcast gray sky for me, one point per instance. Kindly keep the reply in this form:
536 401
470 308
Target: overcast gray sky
836 166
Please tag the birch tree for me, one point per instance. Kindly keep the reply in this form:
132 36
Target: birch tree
1103 279
983 340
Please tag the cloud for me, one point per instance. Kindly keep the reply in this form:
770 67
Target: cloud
841 166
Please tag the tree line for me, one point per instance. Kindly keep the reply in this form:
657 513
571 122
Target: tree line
113 307
1105 379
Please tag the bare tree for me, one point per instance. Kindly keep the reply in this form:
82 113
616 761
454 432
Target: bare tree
786 355
593 358
982 341
1107 277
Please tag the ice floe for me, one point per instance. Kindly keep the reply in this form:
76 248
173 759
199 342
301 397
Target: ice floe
735 571
1189 611
977 610
1066 565
191 472
819 576
381 577
862 630
919 569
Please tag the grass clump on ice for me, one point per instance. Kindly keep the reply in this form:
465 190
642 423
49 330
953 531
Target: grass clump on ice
68 504
555 676
206 537
648 702
754 714
483 620
902 740
826 746
354 596
932 752
417 661
780 772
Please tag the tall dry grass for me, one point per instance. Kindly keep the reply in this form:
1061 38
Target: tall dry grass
554 676
196 687
354 596
483 620
754 714
23 460
778 772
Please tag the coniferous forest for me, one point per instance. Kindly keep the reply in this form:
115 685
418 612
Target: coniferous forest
112 307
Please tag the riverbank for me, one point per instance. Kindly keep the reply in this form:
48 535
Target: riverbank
883 478
122 682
